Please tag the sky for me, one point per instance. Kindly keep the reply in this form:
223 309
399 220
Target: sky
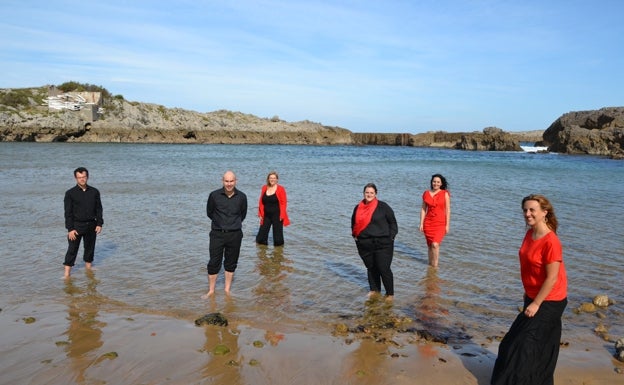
397 66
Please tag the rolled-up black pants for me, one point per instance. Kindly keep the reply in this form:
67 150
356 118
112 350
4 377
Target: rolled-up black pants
224 249
376 253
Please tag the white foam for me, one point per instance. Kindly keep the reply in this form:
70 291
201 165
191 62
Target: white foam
534 148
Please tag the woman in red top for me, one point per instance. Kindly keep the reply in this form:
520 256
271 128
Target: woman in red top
528 353
272 211
435 216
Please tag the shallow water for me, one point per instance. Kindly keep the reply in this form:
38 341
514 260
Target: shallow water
154 246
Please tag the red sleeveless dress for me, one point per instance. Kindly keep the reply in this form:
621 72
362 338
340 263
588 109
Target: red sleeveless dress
434 225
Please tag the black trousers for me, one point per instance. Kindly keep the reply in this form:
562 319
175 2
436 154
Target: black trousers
86 231
278 230
528 353
224 250
376 253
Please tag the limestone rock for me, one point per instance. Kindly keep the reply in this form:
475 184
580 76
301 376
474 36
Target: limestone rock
587 307
594 132
492 139
619 349
601 300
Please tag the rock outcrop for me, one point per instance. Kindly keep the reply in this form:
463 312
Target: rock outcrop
150 123
25 117
595 132
492 139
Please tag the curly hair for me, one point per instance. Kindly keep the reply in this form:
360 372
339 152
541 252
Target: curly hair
551 218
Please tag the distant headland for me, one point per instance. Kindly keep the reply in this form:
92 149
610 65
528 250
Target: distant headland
75 112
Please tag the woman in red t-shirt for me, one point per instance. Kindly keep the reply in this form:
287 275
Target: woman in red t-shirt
528 353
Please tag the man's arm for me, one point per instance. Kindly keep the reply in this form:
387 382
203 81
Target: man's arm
99 218
243 208
210 206
69 212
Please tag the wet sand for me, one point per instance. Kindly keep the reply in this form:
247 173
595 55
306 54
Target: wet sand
83 344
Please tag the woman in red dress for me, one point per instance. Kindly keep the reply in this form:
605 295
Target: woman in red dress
435 216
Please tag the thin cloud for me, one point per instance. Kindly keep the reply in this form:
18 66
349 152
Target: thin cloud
395 66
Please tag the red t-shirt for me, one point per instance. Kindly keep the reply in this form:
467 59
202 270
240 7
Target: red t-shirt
534 256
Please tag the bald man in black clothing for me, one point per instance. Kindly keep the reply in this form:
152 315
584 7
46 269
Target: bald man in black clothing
83 219
227 209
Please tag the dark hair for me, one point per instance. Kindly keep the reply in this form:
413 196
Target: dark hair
551 218
443 179
370 185
81 170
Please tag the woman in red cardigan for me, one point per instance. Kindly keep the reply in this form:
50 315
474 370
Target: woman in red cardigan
272 211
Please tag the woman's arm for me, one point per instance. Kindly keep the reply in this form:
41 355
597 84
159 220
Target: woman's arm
447 198
552 273
423 212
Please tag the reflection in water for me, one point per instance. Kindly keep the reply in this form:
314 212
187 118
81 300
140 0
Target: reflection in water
430 313
85 331
223 368
429 310
272 292
367 363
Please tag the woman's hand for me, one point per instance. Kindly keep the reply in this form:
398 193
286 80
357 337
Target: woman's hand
531 310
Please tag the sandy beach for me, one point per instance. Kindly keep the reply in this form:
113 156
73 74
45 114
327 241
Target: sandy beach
83 344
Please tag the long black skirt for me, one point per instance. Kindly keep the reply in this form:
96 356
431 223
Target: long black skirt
528 353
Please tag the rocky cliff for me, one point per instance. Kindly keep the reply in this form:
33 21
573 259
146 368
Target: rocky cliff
595 132
126 121
491 139
25 117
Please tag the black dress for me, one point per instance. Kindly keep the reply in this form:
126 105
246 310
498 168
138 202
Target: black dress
528 353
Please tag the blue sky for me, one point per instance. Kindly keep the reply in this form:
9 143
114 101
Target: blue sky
369 66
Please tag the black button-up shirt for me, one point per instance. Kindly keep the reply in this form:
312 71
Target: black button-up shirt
226 213
82 206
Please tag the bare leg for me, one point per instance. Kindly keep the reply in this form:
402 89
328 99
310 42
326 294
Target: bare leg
88 265
212 282
434 252
229 275
67 271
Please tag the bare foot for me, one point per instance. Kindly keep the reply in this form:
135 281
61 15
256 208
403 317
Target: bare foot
207 295
389 298
228 293
88 265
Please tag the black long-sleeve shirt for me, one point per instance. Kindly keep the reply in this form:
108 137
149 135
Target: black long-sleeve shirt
226 213
82 206
383 222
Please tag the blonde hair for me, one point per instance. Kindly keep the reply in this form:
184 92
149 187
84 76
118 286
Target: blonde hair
269 175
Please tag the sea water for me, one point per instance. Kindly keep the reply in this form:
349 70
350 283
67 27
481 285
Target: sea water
151 255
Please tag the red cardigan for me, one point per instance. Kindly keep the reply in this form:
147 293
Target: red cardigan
283 202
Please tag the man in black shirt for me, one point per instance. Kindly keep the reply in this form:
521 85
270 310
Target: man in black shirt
227 209
83 219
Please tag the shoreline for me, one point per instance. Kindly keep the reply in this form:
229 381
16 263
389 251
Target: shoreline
81 342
